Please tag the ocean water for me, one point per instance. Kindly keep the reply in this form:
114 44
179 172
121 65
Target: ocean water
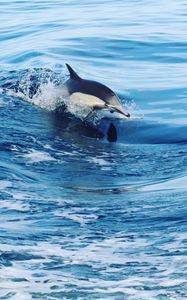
81 217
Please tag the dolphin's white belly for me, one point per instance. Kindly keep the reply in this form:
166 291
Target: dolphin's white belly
82 104
84 100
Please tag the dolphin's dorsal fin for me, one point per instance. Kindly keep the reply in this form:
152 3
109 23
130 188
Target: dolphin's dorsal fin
72 73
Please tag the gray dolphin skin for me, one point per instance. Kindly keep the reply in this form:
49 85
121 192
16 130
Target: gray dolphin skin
93 94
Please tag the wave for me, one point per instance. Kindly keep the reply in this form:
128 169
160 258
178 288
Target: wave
44 88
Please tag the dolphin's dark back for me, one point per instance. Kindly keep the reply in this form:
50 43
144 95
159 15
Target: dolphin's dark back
91 88
76 84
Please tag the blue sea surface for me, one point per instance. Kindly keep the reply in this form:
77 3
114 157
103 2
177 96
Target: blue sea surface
81 217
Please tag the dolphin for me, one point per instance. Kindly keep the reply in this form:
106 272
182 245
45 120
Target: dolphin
92 94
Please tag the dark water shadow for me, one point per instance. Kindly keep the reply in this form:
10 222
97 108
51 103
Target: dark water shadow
145 132
119 131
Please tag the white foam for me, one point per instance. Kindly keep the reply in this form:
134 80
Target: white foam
100 255
21 196
21 296
49 97
2 103
172 282
35 156
133 109
78 215
14 205
99 161
4 184
178 183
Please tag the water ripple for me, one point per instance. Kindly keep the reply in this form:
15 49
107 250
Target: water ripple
82 218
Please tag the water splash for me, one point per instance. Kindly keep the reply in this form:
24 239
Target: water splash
44 88
37 86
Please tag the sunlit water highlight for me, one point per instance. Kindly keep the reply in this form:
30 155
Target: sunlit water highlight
82 218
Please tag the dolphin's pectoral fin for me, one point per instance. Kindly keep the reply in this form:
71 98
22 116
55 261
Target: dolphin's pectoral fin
95 108
88 115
